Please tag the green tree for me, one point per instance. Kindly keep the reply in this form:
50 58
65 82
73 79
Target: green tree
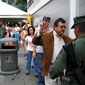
11 2
21 4
24 2
4 0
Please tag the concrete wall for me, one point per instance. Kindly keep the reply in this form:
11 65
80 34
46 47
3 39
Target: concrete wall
55 9
64 9
77 8
81 7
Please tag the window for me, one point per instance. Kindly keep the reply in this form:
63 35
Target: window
29 3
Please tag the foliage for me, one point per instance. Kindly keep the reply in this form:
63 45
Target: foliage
24 2
21 4
4 0
10 2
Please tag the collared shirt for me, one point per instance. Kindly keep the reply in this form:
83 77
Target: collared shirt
58 43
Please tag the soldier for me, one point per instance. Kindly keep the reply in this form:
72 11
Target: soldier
2 30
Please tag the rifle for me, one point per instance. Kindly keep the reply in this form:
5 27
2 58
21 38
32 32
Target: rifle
79 72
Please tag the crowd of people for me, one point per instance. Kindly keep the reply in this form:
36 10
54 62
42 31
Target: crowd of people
55 64
43 49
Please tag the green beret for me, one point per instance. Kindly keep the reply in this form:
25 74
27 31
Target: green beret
77 20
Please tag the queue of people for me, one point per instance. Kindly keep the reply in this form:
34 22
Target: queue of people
43 48
24 34
55 64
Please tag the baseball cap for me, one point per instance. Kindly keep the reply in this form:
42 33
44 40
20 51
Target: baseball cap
46 17
77 20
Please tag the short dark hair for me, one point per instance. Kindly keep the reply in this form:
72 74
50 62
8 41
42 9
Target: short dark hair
59 20
81 26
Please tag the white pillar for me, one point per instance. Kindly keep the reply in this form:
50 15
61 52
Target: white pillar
72 15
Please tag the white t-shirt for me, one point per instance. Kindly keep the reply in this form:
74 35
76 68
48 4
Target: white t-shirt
30 44
17 29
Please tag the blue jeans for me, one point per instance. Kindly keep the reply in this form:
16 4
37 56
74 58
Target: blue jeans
35 67
17 35
28 62
25 54
32 62
39 66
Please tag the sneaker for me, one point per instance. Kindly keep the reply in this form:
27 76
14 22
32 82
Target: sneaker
27 73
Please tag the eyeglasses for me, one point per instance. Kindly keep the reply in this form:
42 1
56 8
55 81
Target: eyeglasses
62 26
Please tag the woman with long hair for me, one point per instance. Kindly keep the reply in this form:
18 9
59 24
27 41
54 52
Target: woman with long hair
30 48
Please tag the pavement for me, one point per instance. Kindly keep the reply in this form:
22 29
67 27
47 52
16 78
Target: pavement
21 78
